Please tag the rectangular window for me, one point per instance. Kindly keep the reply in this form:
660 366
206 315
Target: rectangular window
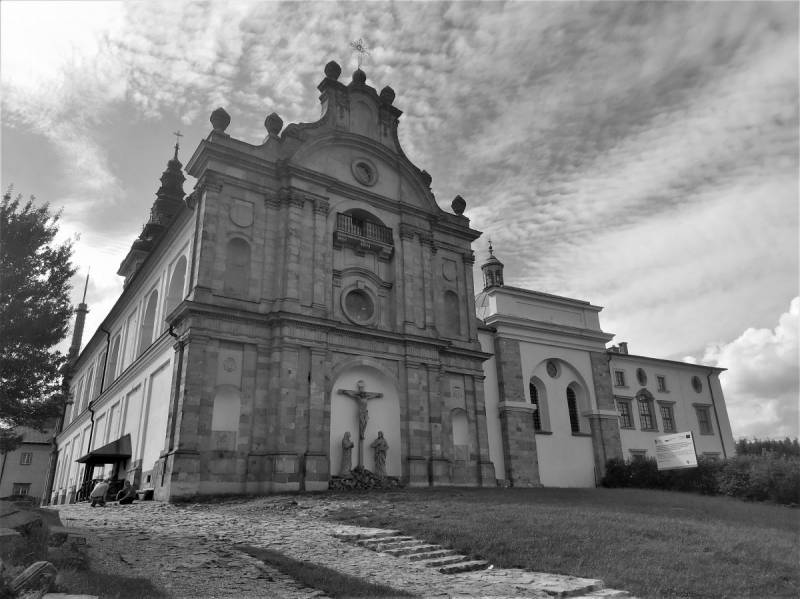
704 420
625 416
662 383
646 415
21 489
638 455
619 378
25 458
667 418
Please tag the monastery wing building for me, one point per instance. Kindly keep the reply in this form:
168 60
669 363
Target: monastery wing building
310 294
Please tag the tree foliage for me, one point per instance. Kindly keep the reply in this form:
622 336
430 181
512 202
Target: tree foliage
35 314
782 448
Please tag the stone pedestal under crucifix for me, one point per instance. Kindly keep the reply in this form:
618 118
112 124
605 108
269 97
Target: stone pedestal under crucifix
361 396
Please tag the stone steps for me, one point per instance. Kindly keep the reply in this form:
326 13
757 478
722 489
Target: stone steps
411 550
415 557
464 566
386 543
445 560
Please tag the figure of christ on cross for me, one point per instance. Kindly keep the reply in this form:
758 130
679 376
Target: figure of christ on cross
361 396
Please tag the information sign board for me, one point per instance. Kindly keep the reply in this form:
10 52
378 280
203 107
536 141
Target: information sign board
675 451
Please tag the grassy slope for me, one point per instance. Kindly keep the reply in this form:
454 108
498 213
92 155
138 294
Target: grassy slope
652 543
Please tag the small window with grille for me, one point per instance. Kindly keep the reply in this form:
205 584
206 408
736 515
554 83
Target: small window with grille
26 458
646 415
667 418
619 378
704 420
625 415
21 489
662 383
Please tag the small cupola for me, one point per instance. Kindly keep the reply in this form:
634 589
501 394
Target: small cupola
492 271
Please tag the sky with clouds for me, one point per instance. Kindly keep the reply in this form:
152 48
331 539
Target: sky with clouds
643 156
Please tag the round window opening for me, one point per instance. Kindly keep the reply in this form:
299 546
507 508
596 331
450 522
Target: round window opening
364 172
697 384
552 368
359 306
641 376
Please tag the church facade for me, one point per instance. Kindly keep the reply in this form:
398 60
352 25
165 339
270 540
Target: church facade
310 289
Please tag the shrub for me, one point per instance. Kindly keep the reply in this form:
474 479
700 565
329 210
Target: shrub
750 477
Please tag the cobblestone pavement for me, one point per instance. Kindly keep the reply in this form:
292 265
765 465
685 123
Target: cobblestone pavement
189 551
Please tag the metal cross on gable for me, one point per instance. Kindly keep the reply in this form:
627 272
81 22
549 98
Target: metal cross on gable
360 46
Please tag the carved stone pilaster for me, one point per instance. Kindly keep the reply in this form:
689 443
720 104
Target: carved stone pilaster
407 231
321 206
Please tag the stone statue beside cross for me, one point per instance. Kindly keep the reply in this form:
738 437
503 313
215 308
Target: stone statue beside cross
362 397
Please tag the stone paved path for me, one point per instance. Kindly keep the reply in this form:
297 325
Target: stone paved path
189 551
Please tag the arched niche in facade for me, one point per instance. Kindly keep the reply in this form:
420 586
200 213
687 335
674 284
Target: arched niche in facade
383 414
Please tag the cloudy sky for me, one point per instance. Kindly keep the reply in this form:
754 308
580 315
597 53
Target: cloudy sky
641 156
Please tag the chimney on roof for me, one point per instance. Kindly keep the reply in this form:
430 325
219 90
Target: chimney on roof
623 347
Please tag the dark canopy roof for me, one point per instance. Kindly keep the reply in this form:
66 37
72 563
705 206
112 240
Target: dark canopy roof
116 451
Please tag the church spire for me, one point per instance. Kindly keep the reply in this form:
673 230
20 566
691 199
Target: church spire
169 201
492 270
80 321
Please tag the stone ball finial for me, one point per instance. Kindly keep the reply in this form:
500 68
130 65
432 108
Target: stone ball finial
426 176
458 204
333 70
359 76
220 120
274 124
387 95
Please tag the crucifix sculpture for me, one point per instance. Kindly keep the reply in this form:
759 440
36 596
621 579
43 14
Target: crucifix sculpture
361 396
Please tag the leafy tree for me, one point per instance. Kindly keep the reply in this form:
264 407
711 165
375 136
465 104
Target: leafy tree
35 313
780 448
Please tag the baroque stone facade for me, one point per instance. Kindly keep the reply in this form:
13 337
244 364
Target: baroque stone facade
298 271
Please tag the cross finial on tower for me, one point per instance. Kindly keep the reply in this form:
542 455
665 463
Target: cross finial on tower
491 252
360 46
178 136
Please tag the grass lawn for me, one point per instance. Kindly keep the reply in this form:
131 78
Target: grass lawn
651 543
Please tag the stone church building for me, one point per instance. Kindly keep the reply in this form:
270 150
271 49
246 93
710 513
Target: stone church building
311 287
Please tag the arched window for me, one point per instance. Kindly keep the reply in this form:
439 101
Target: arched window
541 418
98 380
452 315
87 390
572 405
148 323
175 291
111 369
537 417
237 267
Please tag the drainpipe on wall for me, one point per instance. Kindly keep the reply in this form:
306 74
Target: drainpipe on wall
716 416
3 468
